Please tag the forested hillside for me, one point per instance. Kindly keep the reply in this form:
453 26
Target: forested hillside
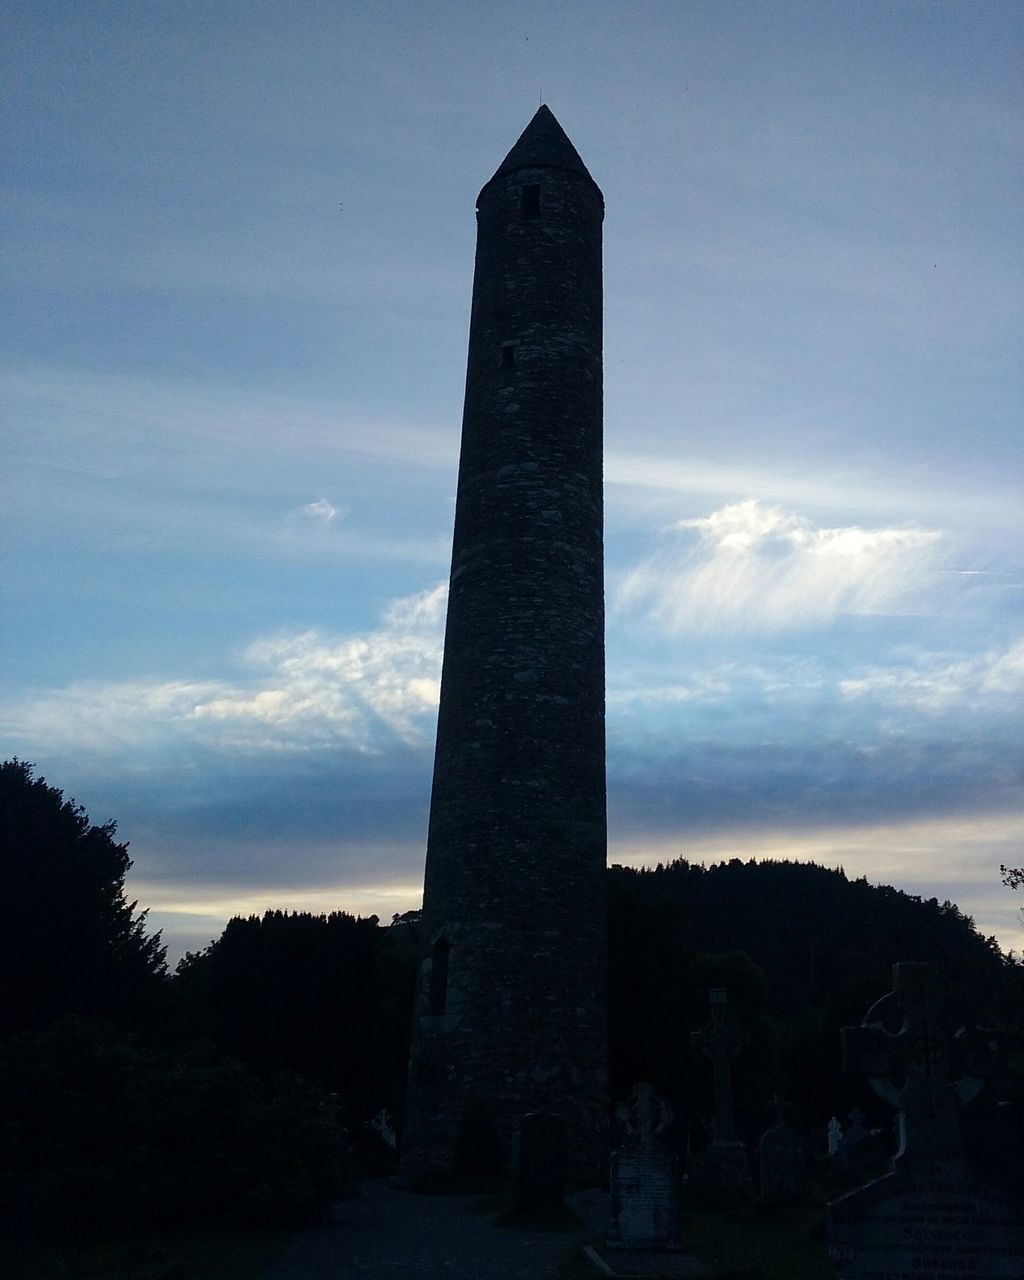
803 951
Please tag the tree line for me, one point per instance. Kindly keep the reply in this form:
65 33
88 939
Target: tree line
218 1093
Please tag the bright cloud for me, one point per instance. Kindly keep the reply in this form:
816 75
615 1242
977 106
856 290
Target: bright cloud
760 567
319 512
305 691
319 691
423 611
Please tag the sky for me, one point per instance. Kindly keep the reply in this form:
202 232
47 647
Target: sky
236 296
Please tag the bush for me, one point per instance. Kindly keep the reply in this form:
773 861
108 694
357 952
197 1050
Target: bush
97 1131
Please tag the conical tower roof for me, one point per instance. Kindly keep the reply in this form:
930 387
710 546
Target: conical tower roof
543 144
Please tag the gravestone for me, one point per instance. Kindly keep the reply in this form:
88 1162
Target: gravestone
783 1160
723 1168
932 1216
645 1201
540 1187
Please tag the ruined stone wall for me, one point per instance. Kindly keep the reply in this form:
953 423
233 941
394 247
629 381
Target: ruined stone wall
515 881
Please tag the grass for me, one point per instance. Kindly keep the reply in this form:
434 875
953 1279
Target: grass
787 1243
185 1255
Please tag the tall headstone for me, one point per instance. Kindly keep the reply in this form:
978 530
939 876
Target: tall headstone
932 1215
723 1168
510 1012
644 1183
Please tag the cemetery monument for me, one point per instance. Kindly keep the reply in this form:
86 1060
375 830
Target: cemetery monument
723 1168
932 1215
645 1180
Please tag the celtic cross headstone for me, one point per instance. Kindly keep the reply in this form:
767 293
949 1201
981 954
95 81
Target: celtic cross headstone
724 1166
931 1215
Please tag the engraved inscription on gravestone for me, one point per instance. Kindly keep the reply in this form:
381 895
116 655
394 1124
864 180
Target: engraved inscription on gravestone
645 1206
932 1216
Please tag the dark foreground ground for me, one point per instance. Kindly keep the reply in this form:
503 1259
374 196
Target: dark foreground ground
387 1234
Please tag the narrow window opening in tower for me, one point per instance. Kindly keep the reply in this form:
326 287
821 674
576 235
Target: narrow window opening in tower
508 355
531 201
439 977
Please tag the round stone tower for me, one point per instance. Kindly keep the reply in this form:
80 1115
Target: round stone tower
511 1004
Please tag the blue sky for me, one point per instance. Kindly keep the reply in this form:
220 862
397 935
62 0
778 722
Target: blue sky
240 244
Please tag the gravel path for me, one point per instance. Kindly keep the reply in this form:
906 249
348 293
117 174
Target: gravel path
390 1234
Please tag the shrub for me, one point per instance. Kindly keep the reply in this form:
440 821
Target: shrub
97 1131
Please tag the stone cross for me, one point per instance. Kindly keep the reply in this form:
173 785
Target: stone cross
721 1040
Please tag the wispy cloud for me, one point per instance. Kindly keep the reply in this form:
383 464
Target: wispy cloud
122 427
320 512
936 683
642 481
754 566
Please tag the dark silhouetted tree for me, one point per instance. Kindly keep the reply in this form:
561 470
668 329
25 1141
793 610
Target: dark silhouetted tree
327 996
70 942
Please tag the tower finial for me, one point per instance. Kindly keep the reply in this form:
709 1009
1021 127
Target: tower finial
543 145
